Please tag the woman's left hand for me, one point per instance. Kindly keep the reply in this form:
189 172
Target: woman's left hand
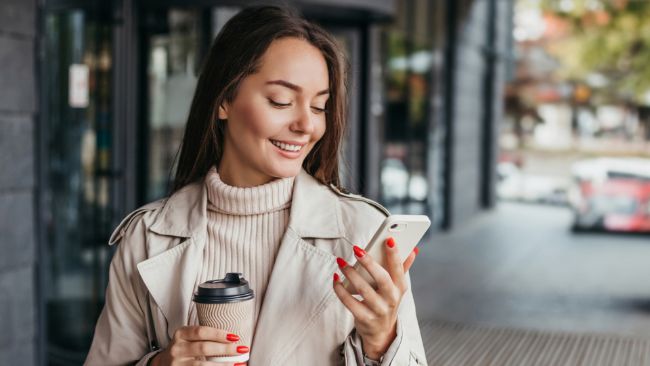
375 318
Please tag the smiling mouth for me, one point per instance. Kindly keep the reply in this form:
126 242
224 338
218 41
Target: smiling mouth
287 147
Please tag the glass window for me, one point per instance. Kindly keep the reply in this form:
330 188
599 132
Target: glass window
408 58
171 75
77 95
176 40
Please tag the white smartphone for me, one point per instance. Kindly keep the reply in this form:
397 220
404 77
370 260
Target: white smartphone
406 230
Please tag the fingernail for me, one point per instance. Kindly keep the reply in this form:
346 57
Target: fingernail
336 277
342 263
241 364
390 242
242 349
416 250
232 337
358 251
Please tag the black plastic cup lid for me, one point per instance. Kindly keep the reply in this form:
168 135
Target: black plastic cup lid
232 288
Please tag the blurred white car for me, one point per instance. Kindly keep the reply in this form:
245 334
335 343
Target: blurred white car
515 185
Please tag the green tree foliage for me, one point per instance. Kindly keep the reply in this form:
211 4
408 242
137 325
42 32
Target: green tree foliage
610 37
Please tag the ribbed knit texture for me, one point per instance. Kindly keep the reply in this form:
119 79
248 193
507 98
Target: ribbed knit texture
245 227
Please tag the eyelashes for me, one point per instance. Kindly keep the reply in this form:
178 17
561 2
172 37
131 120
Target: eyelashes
285 105
276 104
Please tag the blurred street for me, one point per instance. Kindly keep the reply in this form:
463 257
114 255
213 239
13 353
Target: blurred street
521 267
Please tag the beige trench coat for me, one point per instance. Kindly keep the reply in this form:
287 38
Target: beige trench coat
301 322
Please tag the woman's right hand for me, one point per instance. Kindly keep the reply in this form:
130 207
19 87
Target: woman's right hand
194 341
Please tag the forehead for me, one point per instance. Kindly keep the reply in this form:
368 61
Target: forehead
296 61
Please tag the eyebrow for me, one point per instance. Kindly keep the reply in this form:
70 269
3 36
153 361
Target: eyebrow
293 86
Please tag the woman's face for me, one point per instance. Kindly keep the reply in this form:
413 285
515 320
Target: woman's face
277 115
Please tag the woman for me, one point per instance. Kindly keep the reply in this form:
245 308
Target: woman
257 191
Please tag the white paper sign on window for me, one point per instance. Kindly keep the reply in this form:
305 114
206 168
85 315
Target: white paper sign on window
78 86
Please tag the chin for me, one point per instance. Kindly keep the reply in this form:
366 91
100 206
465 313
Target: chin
286 171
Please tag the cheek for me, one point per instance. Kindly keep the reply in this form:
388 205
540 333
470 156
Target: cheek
321 127
254 120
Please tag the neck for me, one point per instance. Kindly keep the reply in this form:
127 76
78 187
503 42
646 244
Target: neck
243 178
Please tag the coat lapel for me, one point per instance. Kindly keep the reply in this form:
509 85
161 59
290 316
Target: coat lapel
171 270
170 279
299 289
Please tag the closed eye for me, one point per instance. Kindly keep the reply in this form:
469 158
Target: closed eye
280 105
284 105
318 110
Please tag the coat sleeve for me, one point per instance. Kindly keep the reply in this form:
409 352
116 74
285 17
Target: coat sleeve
406 350
120 333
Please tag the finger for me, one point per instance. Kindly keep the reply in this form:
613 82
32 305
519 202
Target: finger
394 264
410 259
377 272
207 348
195 362
213 363
204 333
358 309
371 298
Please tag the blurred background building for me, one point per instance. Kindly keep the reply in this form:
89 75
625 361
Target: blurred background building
521 127
576 130
95 98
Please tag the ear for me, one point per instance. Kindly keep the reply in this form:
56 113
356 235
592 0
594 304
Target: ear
223 112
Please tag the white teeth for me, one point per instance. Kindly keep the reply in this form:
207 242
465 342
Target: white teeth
287 147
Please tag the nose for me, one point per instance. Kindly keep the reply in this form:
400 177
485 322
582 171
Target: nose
304 121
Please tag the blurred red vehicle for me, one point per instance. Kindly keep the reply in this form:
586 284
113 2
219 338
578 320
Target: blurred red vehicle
611 194
614 204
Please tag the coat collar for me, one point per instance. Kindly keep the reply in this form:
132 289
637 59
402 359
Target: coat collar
315 211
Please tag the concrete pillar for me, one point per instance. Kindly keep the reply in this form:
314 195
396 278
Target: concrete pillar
18 109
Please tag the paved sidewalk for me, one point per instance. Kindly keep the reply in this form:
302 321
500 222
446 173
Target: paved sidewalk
520 267
457 344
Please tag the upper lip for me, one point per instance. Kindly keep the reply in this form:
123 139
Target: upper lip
291 142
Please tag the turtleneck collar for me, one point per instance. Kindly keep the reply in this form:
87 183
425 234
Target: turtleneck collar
269 197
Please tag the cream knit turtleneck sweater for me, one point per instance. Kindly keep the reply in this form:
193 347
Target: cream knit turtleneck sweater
245 226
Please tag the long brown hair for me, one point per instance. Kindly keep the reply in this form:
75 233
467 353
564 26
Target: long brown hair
235 54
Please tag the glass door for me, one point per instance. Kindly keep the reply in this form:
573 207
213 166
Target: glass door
76 123
171 43
408 83
175 42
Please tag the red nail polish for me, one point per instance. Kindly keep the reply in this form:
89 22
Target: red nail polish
241 364
336 277
358 251
232 337
242 349
416 250
390 242
342 263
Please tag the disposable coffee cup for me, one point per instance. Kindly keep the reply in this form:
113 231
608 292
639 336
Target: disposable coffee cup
227 304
